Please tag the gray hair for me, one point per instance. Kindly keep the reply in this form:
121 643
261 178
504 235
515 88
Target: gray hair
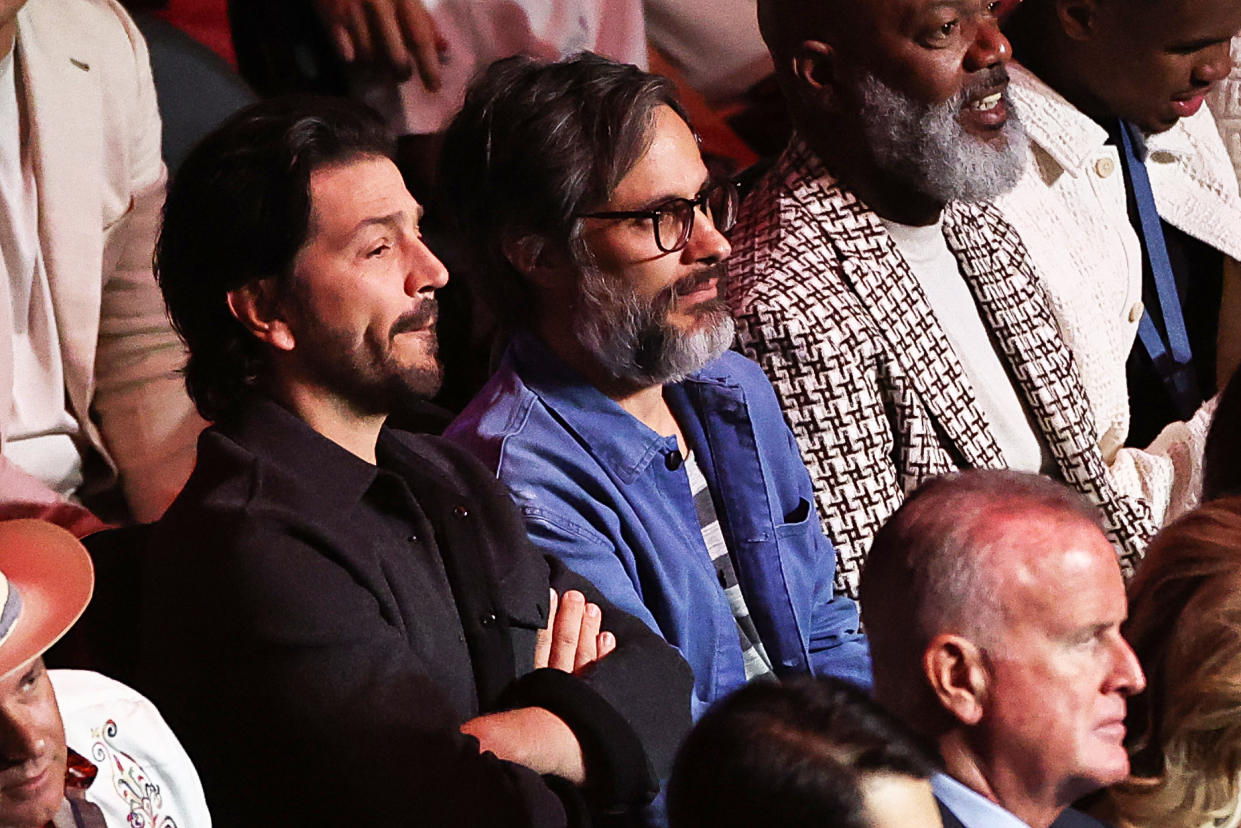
928 571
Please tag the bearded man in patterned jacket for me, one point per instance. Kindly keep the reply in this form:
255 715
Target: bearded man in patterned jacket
894 310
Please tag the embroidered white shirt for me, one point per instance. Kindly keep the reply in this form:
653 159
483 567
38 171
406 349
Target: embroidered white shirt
145 777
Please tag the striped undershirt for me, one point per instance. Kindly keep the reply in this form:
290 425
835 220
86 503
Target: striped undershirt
757 664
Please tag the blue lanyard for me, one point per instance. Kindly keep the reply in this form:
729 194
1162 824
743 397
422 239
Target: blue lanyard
1175 371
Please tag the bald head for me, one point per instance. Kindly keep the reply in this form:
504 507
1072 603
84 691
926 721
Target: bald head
786 23
993 603
934 566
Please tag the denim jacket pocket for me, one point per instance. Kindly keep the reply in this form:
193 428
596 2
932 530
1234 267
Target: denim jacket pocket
796 521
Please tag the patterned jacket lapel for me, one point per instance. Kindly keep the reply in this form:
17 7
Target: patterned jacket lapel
890 293
994 263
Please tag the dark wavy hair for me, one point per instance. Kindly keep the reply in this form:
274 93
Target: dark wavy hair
237 212
536 144
791 754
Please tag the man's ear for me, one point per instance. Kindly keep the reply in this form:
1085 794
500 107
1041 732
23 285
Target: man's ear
256 305
1078 18
956 670
533 257
814 66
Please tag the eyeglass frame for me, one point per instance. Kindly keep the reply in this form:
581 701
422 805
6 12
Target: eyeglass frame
699 202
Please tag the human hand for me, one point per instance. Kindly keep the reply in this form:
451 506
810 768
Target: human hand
572 639
396 37
530 736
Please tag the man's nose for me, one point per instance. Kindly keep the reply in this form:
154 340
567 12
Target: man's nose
990 47
706 242
1127 675
20 739
1215 65
426 272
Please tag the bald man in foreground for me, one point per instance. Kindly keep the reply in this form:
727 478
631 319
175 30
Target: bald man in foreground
1020 683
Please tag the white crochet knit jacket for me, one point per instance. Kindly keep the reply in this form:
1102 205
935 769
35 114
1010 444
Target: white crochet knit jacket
1070 211
1225 103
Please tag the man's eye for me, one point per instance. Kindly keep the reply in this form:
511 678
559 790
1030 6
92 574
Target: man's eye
942 33
30 679
377 251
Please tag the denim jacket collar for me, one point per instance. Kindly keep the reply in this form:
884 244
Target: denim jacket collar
612 434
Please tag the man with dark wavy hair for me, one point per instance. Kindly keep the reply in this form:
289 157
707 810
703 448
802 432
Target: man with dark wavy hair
344 620
641 451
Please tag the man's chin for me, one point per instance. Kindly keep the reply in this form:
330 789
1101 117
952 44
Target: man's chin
1110 765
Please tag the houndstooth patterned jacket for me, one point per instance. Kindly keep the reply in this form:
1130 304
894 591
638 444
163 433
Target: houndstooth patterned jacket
867 379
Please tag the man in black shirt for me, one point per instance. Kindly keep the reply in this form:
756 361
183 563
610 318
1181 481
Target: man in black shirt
345 622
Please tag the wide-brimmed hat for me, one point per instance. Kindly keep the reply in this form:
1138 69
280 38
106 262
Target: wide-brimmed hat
46 580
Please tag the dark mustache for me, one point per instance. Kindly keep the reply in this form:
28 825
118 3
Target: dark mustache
693 281
416 320
984 81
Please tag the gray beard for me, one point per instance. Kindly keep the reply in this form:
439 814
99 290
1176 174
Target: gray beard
633 341
927 146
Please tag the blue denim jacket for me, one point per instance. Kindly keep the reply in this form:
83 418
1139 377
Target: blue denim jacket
598 489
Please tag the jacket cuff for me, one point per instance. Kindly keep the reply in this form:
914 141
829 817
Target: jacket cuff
618 775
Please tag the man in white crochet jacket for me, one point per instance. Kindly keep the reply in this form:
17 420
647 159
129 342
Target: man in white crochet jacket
1128 190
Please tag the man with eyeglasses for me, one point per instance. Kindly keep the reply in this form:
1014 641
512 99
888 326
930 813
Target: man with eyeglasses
641 451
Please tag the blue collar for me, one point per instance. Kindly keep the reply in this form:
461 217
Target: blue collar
612 434
972 808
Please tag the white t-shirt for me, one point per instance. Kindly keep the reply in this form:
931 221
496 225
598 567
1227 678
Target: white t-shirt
936 270
39 432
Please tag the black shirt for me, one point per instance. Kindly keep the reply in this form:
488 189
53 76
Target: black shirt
316 629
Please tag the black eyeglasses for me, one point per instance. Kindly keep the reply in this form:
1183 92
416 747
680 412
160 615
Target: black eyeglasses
674 220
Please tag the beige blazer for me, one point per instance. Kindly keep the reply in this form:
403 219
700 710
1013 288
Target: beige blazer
84 82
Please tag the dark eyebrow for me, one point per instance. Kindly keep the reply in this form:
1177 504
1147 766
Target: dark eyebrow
669 198
391 221
1197 44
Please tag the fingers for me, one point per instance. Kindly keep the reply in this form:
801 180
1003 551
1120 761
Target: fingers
337 18
390 51
588 637
543 641
423 41
393 36
573 637
567 630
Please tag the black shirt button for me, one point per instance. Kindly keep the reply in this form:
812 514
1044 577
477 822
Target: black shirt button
460 511
487 619
673 460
